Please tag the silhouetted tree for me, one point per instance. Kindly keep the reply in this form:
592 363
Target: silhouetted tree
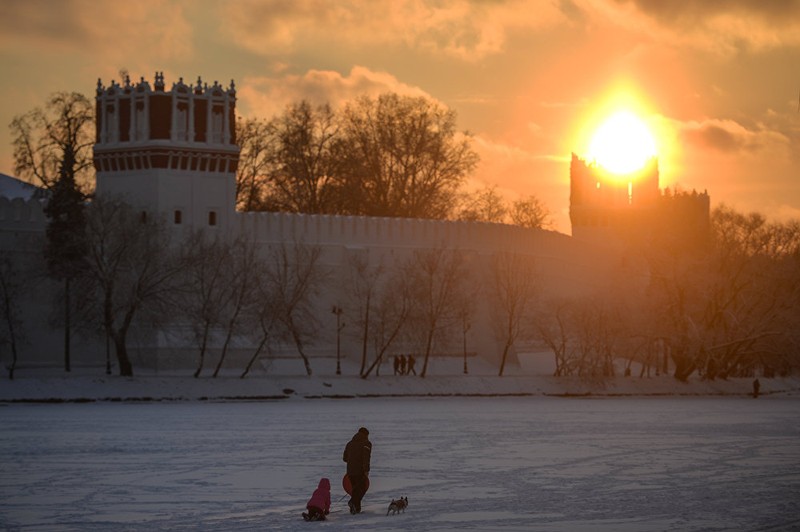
258 144
65 249
438 278
512 293
485 205
242 280
13 284
206 263
53 146
363 286
294 276
734 307
530 212
402 157
304 176
390 316
56 140
132 269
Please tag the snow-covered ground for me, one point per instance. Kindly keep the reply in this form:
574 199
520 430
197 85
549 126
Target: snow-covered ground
465 463
284 378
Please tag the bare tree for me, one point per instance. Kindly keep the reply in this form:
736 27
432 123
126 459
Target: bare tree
512 293
485 205
438 277
131 266
402 157
390 317
13 285
306 171
363 286
241 283
530 212
53 147
206 262
54 139
552 329
295 276
263 315
256 139
733 308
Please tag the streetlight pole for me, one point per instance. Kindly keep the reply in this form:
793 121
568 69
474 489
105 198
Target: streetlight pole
339 326
466 327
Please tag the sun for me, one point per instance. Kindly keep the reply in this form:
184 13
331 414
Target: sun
622 144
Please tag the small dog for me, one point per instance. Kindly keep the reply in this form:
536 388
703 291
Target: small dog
398 505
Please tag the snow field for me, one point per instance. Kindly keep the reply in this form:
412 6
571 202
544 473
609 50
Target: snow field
515 463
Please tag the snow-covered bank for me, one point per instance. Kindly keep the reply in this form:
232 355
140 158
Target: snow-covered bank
185 388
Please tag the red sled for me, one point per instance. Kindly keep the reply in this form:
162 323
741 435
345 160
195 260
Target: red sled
348 486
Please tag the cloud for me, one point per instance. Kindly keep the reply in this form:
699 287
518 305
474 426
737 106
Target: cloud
268 96
458 28
115 30
725 28
728 136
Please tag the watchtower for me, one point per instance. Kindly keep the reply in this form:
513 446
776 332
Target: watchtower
610 208
172 152
603 204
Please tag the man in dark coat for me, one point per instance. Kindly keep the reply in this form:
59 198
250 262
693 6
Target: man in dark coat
357 454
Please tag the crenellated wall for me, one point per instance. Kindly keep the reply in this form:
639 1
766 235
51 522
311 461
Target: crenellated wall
22 223
566 266
571 266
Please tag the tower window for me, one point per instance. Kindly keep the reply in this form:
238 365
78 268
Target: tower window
212 217
178 217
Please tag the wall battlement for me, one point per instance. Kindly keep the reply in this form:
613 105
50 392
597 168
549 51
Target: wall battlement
18 214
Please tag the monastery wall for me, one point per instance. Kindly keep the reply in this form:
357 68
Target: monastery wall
566 267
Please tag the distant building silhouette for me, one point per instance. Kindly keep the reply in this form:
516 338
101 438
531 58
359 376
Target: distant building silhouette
631 209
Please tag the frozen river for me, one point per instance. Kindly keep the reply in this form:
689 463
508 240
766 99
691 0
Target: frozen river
528 463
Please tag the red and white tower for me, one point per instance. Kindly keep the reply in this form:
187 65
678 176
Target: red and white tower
172 152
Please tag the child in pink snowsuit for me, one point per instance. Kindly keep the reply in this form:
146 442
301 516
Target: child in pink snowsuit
319 505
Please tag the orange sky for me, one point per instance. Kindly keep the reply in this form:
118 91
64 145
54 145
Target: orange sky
718 83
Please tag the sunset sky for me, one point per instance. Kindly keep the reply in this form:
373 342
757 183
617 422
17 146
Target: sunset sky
716 83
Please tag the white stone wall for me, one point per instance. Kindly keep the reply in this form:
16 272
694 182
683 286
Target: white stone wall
567 267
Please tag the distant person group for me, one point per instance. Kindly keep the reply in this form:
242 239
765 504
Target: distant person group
404 365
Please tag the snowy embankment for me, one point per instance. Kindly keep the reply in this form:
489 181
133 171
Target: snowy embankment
445 378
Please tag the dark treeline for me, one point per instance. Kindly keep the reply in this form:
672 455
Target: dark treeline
729 309
394 156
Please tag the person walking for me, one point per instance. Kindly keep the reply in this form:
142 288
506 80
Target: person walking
411 362
357 454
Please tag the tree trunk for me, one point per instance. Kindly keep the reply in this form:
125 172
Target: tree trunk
364 341
125 366
13 341
203 347
67 326
254 357
506 348
299 344
428 346
224 350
